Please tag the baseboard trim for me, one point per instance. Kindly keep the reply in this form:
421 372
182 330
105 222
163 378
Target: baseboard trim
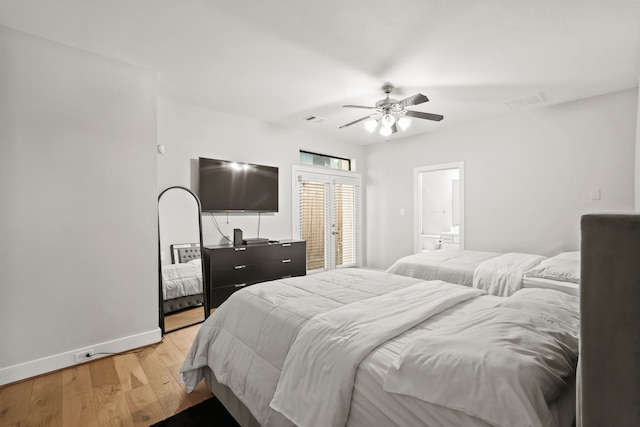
55 362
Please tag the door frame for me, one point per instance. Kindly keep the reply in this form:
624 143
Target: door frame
417 200
331 176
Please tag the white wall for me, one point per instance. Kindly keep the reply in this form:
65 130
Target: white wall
189 132
78 260
528 176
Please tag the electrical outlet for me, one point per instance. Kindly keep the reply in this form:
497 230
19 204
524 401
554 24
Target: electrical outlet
82 356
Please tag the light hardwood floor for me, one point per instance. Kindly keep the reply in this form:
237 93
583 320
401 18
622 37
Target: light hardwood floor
184 318
136 388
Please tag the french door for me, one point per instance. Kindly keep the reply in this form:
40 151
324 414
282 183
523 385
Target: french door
326 214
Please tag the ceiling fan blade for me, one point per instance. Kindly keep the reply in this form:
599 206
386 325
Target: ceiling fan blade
360 106
421 115
416 99
357 121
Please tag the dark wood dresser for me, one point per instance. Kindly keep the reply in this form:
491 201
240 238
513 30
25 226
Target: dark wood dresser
230 268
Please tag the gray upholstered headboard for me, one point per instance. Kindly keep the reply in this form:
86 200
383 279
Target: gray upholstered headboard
184 252
609 384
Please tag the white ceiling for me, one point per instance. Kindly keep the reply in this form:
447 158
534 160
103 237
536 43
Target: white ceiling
280 61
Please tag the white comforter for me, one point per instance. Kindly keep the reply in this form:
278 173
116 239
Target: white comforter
503 274
518 354
337 341
248 339
450 265
179 280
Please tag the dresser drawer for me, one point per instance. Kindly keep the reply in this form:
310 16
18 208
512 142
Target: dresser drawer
227 257
235 275
286 250
273 270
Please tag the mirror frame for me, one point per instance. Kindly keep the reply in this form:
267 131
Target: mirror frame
205 291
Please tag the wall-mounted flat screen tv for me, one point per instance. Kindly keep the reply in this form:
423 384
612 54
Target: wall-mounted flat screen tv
225 186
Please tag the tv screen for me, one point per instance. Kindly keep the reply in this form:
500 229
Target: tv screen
226 186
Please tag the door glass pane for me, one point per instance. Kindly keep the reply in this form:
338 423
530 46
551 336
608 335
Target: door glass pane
345 225
312 222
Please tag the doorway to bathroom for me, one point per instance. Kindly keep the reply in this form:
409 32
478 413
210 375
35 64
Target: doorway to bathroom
439 207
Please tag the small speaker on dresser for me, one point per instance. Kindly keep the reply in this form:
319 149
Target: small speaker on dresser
237 237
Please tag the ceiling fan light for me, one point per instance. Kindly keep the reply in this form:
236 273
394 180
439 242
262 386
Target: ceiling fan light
371 125
385 130
404 123
388 120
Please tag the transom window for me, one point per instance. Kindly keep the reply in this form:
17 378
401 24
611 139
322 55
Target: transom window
315 159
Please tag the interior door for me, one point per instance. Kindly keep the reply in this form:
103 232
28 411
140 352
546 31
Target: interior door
327 216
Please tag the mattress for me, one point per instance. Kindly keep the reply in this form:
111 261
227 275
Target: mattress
371 412
244 345
542 283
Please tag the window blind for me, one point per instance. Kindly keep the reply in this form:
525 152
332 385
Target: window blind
313 198
345 224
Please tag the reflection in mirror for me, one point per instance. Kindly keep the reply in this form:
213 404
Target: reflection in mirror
439 210
182 296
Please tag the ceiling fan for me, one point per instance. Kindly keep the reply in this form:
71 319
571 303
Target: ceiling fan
391 113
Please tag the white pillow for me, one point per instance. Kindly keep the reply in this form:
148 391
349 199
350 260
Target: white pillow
564 267
569 255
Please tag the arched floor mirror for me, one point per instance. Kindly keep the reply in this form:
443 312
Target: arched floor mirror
183 298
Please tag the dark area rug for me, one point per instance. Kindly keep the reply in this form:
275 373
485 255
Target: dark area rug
207 413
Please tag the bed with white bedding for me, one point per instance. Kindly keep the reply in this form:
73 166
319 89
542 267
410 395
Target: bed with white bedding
348 347
500 274
182 280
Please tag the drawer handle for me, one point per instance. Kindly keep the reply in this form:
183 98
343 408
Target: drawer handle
239 249
284 261
286 245
240 267
240 285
